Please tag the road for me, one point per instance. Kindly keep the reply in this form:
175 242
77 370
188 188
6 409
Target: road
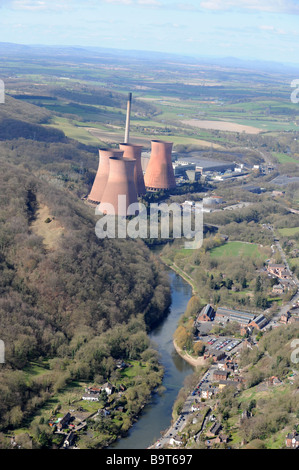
285 308
181 421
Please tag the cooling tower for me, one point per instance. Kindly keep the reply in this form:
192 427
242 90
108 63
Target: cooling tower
159 173
120 183
134 152
102 175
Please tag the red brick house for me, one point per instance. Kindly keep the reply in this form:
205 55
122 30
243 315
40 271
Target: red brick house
292 440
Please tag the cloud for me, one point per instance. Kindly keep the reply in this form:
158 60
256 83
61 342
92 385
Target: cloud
153 3
119 2
273 6
271 29
37 5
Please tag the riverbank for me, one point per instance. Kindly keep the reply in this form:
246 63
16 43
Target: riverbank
195 362
181 273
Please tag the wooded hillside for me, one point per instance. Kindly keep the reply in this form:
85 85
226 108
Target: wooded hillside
65 295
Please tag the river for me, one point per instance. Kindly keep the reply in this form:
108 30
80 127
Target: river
156 416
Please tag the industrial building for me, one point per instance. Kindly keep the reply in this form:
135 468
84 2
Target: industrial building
181 167
243 318
119 178
212 200
259 322
206 165
284 180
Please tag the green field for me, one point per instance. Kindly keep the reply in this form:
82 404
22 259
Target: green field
294 262
284 158
288 231
73 131
238 249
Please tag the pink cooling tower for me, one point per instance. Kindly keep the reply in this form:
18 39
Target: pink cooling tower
120 183
101 178
159 173
134 152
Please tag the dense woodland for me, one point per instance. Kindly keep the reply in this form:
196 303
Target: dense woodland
80 304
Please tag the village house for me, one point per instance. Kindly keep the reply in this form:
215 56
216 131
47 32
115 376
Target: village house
243 330
207 391
215 429
206 314
278 289
104 412
238 378
278 270
93 390
292 440
221 365
91 397
214 354
285 318
109 389
220 375
69 440
63 423
120 364
221 439
197 406
274 380
228 365
176 440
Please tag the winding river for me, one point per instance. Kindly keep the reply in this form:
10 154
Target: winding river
156 416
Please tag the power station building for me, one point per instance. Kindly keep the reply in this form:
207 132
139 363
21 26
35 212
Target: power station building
134 152
159 173
102 174
120 190
119 179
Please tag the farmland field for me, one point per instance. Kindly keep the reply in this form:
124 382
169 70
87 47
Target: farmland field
289 231
238 249
223 126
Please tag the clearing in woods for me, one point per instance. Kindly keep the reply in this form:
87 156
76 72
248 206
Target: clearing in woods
47 227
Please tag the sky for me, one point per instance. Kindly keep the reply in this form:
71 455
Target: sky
248 29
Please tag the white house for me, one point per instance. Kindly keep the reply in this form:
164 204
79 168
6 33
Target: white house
176 440
92 397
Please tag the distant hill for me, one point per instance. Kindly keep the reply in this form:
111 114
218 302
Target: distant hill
77 52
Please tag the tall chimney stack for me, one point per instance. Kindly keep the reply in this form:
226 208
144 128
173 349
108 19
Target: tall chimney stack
127 131
159 172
